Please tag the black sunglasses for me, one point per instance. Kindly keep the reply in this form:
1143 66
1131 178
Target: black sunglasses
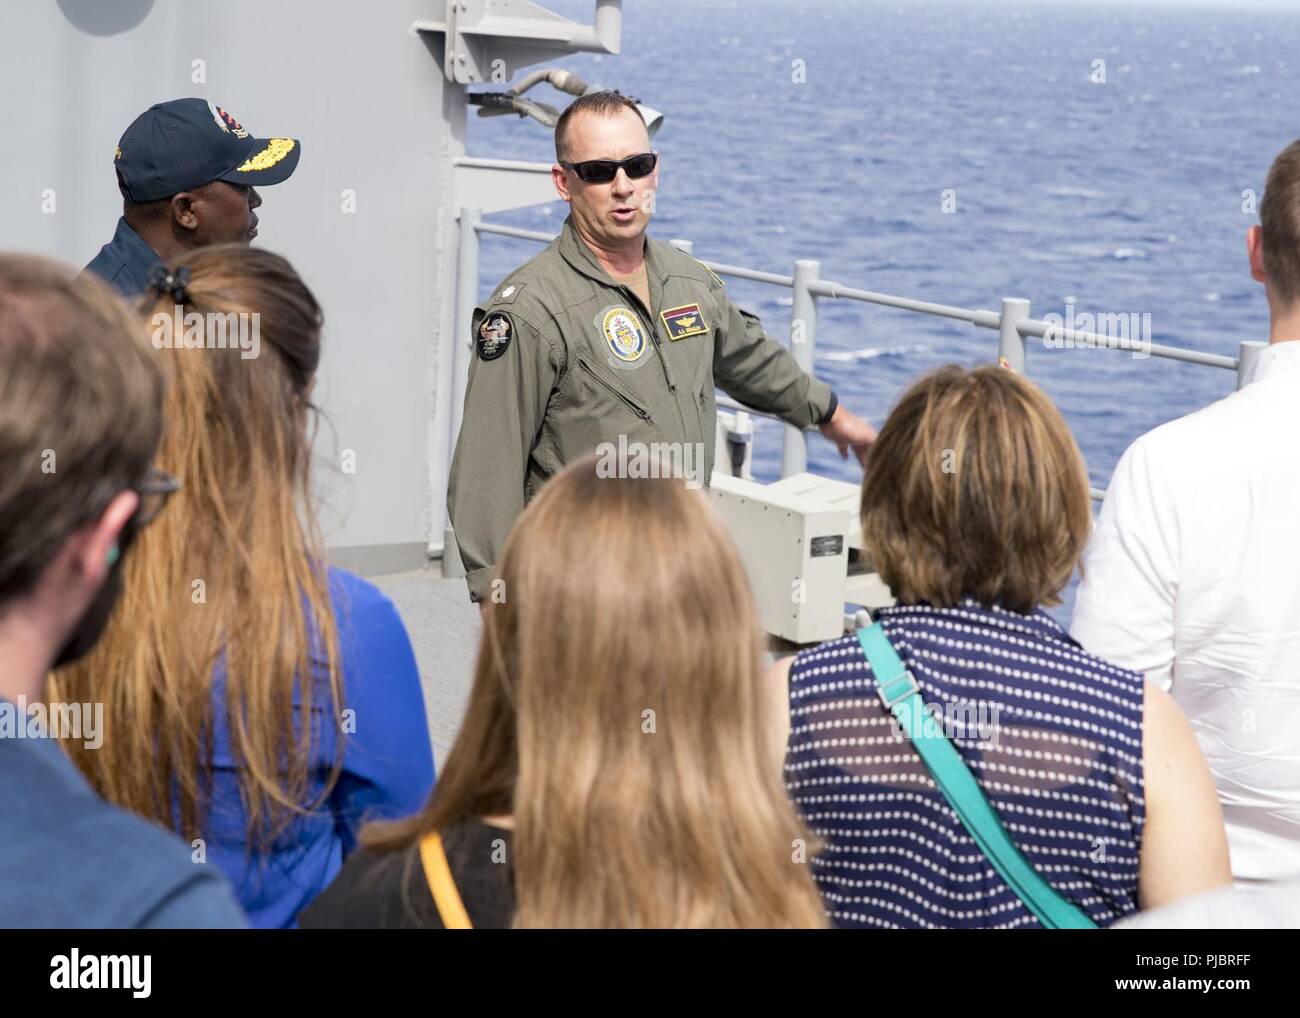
154 491
602 171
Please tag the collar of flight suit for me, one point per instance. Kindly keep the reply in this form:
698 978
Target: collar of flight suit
576 252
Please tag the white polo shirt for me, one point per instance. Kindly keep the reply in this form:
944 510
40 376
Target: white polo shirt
1193 577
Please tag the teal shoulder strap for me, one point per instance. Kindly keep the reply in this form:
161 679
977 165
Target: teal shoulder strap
901 696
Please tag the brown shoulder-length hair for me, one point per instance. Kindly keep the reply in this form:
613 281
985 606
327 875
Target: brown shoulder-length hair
619 713
232 571
976 488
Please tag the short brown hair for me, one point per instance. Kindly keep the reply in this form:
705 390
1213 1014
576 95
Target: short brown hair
976 488
80 410
1279 218
604 104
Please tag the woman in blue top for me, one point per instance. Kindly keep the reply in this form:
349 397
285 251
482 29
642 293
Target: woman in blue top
975 509
257 701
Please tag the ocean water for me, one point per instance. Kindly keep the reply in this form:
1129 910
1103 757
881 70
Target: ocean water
1131 195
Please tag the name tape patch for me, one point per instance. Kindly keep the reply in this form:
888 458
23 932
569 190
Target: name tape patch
683 321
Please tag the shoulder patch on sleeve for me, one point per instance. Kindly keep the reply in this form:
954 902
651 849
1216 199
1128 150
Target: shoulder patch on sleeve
494 335
507 293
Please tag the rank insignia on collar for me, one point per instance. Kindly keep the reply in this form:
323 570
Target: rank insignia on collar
683 321
494 334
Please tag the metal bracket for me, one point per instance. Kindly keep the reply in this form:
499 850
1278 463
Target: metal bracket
489 40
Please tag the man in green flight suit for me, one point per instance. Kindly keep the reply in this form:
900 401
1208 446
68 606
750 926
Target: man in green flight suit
608 335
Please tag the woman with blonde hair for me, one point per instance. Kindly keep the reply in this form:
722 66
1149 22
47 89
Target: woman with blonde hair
617 765
257 701
975 509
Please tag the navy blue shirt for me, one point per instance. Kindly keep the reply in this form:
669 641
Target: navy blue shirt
1052 734
70 860
125 261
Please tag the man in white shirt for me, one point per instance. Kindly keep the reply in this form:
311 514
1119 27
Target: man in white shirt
1229 908
1193 572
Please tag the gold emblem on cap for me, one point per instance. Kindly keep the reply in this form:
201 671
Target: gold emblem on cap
276 149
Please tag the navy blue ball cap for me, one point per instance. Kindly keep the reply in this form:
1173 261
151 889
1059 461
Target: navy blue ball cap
185 143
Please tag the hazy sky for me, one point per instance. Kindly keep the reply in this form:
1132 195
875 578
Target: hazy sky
1277 5
580 10
1273 5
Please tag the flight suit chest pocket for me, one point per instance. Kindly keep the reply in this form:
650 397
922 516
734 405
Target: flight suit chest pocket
597 410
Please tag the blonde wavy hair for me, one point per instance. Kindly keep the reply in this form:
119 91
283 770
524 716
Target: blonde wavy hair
235 432
618 713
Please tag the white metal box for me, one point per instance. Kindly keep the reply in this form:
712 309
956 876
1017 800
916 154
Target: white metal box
794 538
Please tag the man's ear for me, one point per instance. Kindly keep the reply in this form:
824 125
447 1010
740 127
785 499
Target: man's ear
560 181
183 211
1255 252
94 553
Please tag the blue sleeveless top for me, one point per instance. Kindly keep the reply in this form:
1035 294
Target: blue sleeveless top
1052 734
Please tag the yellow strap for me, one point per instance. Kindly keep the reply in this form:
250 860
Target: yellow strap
446 899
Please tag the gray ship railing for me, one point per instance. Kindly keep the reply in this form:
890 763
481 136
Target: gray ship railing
1013 324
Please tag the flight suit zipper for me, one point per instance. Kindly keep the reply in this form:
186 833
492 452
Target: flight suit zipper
639 411
635 300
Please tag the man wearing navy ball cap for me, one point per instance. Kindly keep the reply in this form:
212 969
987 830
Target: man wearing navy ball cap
188 173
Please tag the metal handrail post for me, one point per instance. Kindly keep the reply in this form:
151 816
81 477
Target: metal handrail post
1011 344
803 344
1247 353
467 256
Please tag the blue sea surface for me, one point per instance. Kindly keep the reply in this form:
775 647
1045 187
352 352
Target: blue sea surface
1131 195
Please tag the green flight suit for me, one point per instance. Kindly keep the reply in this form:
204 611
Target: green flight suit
566 358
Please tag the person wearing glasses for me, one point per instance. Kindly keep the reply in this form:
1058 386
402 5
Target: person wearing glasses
608 336
79 426
257 701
